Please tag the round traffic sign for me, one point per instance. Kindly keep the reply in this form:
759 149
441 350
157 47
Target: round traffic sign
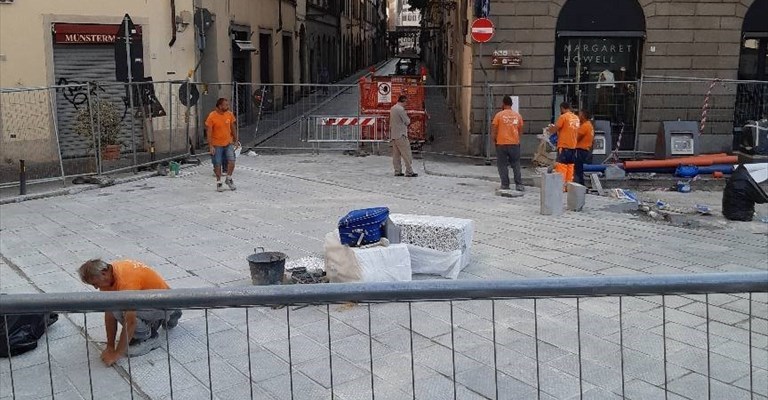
384 88
482 30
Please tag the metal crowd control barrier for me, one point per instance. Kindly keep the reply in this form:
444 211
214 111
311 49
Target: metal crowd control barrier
403 341
323 129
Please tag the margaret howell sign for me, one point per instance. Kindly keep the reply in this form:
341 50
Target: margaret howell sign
86 33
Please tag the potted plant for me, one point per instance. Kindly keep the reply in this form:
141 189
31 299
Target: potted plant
103 121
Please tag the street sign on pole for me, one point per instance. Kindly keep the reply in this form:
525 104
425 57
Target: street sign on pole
482 30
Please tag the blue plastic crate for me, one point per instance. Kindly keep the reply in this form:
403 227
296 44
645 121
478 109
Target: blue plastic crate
367 224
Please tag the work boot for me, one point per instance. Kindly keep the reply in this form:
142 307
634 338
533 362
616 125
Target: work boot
520 188
172 321
230 183
399 174
140 347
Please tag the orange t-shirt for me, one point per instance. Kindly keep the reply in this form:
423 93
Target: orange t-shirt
508 125
567 130
133 275
586 135
220 125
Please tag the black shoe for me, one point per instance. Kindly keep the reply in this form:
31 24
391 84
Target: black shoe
140 347
399 174
412 175
173 320
152 335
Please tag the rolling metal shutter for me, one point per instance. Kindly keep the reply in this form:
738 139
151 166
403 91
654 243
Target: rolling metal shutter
78 64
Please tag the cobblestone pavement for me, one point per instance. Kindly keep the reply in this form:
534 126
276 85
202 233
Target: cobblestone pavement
197 237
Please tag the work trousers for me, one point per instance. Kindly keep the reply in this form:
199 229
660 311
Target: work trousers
564 163
401 149
583 156
508 155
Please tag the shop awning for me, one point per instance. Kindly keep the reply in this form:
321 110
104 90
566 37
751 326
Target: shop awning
622 17
756 20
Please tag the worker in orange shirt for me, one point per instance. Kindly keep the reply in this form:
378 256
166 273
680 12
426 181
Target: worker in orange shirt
222 137
567 127
139 334
506 128
584 138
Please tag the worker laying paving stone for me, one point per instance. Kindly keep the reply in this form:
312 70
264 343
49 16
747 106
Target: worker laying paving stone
139 335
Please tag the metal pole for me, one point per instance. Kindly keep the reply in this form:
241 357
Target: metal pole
99 164
170 119
95 136
426 290
638 116
187 116
130 90
22 178
56 131
236 98
488 106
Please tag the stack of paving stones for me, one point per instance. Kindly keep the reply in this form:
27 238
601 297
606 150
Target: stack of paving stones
437 233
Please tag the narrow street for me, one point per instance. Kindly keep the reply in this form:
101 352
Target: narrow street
282 130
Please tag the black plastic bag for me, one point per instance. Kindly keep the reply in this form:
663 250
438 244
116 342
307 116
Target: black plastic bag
740 195
22 332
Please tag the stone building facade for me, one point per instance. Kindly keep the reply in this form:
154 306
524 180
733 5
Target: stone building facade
569 45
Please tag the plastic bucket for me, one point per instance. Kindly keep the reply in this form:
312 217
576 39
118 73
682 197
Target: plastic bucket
267 268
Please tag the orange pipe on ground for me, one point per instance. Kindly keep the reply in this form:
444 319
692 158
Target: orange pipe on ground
701 161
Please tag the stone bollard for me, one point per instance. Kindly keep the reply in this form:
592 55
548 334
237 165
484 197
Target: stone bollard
551 194
576 196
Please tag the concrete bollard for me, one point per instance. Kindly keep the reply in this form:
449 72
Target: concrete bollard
576 196
551 194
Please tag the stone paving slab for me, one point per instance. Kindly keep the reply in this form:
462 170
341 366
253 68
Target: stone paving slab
197 237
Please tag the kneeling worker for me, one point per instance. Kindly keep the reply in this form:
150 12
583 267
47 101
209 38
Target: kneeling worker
139 334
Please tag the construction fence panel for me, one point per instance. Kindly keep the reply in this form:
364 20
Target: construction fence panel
344 133
275 116
152 129
539 104
719 107
29 142
688 336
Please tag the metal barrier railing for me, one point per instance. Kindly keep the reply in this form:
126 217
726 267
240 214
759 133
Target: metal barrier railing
437 317
326 129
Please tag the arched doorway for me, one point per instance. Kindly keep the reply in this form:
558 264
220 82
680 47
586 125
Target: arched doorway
752 98
595 43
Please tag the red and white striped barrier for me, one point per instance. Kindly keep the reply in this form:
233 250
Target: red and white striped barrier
705 107
348 121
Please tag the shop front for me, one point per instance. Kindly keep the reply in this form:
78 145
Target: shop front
752 97
598 60
85 54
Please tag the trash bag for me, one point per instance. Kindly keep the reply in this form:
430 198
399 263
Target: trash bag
22 332
740 195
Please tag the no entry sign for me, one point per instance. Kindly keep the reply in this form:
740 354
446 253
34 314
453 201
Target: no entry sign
482 30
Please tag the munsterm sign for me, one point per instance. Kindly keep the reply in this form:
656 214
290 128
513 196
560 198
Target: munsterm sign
86 33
